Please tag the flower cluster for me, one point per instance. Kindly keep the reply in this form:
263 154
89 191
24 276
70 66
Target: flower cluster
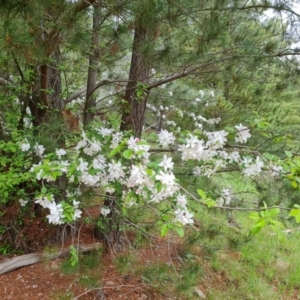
107 159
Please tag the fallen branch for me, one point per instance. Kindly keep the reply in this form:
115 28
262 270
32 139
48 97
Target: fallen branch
33 258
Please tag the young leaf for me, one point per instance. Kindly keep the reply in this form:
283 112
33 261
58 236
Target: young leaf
127 154
255 229
288 154
116 150
164 230
295 212
180 231
294 184
278 231
273 212
201 193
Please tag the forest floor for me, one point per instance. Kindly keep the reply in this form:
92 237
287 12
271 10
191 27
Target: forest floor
154 268
48 279
105 280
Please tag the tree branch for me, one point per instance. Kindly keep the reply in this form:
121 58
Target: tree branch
4 81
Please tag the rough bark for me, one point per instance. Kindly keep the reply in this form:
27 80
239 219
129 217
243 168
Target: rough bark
90 101
134 108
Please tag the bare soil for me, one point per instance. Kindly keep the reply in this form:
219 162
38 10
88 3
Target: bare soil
46 280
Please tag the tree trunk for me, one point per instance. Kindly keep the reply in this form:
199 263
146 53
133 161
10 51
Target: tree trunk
136 93
133 111
46 101
90 101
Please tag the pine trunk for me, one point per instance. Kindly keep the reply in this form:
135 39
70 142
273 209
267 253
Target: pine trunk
134 109
90 101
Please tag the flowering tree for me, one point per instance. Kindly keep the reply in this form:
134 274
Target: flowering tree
146 58
130 172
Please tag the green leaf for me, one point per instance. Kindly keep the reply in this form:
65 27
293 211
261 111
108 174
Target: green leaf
180 231
164 230
44 190
116 150
278 231
68 216
211 203
158 186
254 215
255 229
166 218
181 140
295 212
289 154
201 193
142 143
127 154
124 211
140 152
197 131
149 171
294 184
261 223
153 164
273 212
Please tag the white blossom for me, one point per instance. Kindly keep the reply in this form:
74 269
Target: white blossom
254 168
137 176
193 149
243 134
77 214
115 170
39 150
168 179
60 152
183 216
99 162
64 166
76 203
23 202
89 180
276 170
105 211
234 156
105 131
83 166
216 139
197 171
227 196
56 213
167 163
116 139
44 201
25 146
181 200
166 138
109 190
81 144
92 147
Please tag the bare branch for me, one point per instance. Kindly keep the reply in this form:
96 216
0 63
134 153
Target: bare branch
4 81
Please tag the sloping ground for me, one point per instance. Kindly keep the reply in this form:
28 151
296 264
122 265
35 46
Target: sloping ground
47 280
160 268
123 276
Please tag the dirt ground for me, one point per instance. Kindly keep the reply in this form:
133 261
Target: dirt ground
46 280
